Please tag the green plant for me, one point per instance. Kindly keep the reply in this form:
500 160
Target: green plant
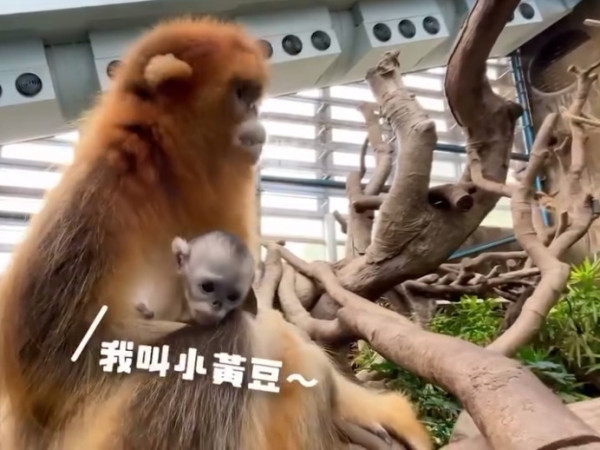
552 372
568 343
472 319
437 409
572 328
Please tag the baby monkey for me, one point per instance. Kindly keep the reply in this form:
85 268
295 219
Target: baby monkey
217 271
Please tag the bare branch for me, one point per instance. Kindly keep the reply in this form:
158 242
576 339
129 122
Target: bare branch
415 130
265 292
479 179
457 196
341 220
486 383
471 263
468 91
362 203
413 241
328 331
554 273
384 151
479 286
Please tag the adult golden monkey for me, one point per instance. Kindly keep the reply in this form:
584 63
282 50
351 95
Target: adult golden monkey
168 151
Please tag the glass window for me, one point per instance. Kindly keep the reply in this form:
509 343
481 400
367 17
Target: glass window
292 227
342 178
344 113
430 103
287 173
36 179
352 160
307 251
440 125
420 82
311 93
498 218
446 169
492 73
72 137
46 153
282 152
348 136
437 70
289 129
20 205
352 93
338 203
11 234
268 200
504 202
339 235
4 261
280 105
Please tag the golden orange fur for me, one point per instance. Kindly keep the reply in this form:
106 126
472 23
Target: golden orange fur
157 158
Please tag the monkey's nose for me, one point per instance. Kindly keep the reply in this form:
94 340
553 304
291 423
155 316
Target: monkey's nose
252 135
216 304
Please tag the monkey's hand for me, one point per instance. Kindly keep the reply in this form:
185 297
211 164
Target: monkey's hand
388 415
368 439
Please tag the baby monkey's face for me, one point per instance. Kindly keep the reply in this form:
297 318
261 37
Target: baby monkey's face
217 271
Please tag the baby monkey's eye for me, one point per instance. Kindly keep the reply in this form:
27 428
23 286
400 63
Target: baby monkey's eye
208 286
233 296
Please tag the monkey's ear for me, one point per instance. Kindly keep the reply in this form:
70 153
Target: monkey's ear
181 250
251 304
163 68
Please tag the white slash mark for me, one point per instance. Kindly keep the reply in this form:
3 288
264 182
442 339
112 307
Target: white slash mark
89 333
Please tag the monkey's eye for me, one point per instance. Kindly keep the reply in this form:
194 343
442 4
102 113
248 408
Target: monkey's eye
234 296
247 92
208 286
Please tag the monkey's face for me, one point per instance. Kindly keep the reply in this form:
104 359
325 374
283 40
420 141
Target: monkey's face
211 295
217 270
209 76
249 134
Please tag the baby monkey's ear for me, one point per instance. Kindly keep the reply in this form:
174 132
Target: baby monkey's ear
163 68
181 250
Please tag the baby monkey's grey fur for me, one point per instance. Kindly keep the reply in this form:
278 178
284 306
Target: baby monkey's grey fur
217 271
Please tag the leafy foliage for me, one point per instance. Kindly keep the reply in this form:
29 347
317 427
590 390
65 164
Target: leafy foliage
437 409
471 319
568 344
572 328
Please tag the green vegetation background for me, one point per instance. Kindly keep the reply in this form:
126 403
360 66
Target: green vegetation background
565 355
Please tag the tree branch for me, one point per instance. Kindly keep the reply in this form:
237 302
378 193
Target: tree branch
555 274
341 220
384 151
325 331
413 241
487 384
265 292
